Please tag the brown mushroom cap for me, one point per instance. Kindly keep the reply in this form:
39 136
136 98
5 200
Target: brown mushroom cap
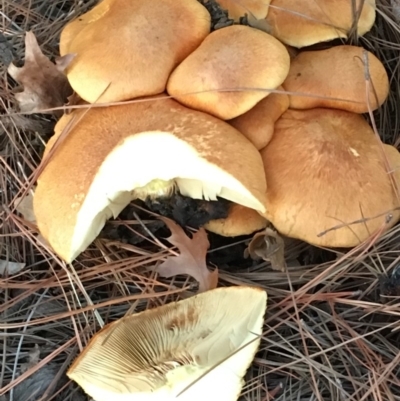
191 350
326 168
337 73
129 48
236 57
114 153
257 124
240 221
301 23
238 8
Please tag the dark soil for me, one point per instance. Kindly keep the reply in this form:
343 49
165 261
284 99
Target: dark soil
219 16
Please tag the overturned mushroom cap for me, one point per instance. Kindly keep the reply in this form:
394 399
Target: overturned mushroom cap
246 60
325 170
238 8
301 23
240 221
257 124
115 154
200 347
127 49
337 73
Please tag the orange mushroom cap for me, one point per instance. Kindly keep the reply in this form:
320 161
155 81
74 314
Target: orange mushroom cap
328 182
230 72
127 49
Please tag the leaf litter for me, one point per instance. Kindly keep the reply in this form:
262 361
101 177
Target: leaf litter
191 259
327 335
33 359
44 83
268 245
24 206
8 268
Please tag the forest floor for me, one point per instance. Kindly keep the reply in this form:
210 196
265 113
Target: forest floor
332 327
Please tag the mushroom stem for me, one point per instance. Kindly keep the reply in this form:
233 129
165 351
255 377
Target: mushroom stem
155 189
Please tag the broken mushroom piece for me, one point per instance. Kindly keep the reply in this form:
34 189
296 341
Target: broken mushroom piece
335 78
326 169
240 221
151 148
196 349
127 49
257 124
257 9
230 72
301 23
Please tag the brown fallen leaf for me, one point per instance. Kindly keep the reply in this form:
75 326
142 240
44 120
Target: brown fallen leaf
269 246
396 9
44 84
192 257
33 359
24 205
10 268
260 24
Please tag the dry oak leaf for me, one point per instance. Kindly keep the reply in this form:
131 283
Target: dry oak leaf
24 206
9 268
44 84
268 245
260 24
192 257
33 359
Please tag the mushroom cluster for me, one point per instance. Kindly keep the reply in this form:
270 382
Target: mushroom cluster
222 111
213 111
180 75
331 180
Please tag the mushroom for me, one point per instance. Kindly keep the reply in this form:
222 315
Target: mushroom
232 70
195 349
127 49
257 124
149 148
326 170
257 9
325 76
301 23
241 220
